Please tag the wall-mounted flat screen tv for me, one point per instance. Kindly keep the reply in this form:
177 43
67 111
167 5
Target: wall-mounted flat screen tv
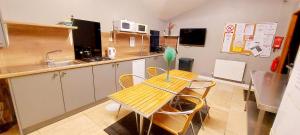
192 36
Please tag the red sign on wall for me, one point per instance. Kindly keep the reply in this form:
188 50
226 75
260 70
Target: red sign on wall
277 42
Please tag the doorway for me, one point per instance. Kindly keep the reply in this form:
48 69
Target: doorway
291 45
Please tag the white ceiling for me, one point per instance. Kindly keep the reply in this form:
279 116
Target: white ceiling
168 9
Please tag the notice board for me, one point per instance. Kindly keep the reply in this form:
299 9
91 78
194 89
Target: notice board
249 39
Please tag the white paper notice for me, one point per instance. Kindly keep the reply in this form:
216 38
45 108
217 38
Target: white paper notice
270 28
260 29
255 49
227 42
240 28
248 45
266 45
249 29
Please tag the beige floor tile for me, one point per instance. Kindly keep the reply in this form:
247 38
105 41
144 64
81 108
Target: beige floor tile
237 122
104 118
35 133
217 121
79 125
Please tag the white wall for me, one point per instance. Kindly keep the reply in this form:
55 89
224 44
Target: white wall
214 14
287 120
53 11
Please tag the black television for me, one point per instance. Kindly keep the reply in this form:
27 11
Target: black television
192 36
87 36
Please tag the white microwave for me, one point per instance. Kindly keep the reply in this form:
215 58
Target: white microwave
141 28
124 25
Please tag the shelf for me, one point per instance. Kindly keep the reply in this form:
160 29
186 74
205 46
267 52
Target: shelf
130 33
171 36
15 23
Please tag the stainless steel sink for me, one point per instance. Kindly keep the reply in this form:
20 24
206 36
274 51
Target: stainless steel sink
62 63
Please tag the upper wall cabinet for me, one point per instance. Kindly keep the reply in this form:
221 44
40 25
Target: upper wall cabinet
3 35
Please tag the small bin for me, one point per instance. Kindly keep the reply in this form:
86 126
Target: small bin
186 64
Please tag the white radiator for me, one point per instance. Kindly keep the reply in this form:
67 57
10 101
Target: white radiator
228 69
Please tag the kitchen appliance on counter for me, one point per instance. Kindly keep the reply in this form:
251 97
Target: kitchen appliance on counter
111 52
87 40
124 25
141 28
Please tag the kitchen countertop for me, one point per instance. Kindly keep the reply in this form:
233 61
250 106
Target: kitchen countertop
10 72
268 89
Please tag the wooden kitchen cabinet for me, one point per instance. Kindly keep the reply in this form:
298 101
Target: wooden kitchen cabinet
37 97
104 80
78 87
124 67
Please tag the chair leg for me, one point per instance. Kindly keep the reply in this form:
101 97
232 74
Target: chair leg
137 122
202 122
206 106
150 126
118 111
180 106
193 128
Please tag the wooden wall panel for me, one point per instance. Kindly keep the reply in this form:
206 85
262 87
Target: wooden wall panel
123 47
29 44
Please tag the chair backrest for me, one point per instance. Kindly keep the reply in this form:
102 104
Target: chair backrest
153 71
189 114
196 109
127 80
207 88
212 84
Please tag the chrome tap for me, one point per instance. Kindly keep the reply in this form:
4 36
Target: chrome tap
47 59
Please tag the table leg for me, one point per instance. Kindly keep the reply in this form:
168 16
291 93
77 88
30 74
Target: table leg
248 95
141 124
259 122
150 125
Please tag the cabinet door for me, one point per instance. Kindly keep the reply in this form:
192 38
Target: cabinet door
124 67
78 87
104 80
37 97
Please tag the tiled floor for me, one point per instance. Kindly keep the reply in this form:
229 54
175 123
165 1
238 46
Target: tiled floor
227 116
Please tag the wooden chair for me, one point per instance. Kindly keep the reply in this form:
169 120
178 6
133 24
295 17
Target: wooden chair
153 71
190 91
125 81
175 121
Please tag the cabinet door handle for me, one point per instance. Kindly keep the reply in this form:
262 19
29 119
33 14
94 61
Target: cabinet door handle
113 65
117 64
54 75
63 74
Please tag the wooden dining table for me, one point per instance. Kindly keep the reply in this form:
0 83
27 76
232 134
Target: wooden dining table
151 95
